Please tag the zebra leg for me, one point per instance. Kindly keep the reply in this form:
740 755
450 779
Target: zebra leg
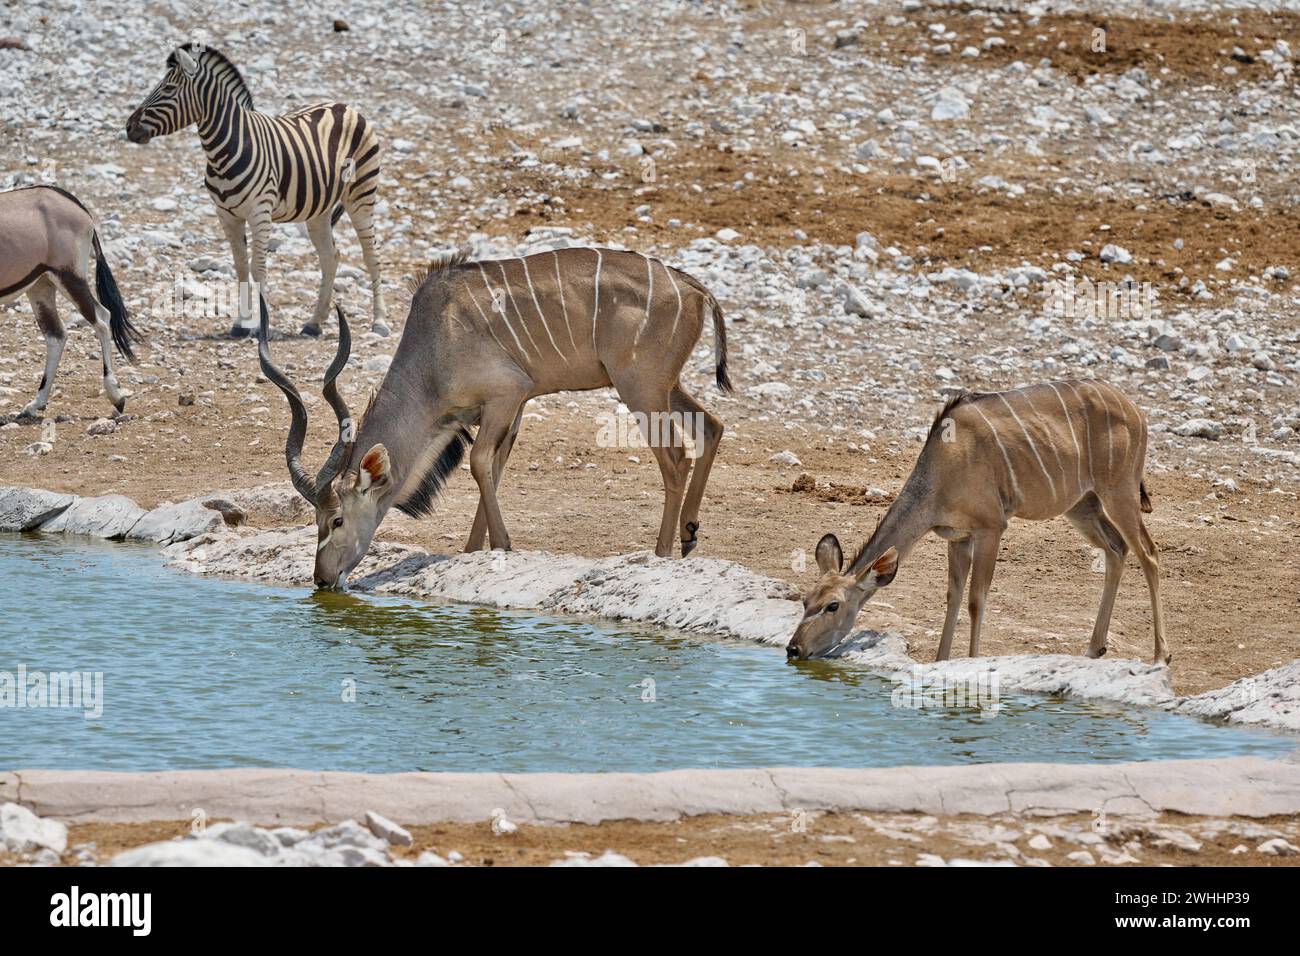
41 296
259 224
322 237
233 226
363 221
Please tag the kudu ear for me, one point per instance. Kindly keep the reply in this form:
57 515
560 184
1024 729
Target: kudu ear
880 572
187 63
374 468
830 557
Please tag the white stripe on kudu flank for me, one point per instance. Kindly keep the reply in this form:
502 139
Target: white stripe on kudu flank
1078 455
536 305
559 285
518 315
501 311
1015 485
672 336
1110 432
649 298
595 310
486 321
1047 430
1029 438
1087 430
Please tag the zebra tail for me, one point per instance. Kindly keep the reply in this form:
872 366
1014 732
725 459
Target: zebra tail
124 333
336 216
720 346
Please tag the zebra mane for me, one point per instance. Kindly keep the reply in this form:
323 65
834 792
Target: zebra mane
221 67
419 502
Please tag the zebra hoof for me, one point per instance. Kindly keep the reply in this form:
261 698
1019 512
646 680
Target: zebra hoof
238 331
311 331
380 329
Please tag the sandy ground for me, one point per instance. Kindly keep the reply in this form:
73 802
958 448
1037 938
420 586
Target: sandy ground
839 839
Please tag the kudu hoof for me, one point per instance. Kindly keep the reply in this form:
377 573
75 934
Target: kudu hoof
688 544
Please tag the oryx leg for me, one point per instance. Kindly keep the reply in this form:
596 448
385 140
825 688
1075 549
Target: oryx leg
984 559
322 237
1088 518
78 290
479 529
959 561
233 227
494 426
42 297
653 407
1124 512
363 221
706 433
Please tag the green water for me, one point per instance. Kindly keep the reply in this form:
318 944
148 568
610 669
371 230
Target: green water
202 672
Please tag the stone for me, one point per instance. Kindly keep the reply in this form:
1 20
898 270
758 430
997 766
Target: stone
101 426
950 104
1200 428
1039 841
22 831
1278 847
26 509
245 835
191 853
170 523
785 458
107 516
1117 254
387 830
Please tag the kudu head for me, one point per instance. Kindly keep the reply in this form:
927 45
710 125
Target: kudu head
349 504
831 607
173 104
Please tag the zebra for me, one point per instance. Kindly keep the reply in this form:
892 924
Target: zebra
307 166
46 238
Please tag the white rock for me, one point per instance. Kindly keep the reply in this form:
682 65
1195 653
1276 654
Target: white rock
1278 847
26 509
1113 253
22 831
191 853
1082 857
387 830
950 104
1200 428
106 516
785 458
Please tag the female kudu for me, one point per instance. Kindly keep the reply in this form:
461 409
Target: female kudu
1071 448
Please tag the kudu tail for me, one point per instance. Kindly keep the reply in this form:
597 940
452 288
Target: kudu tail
119 324
719 345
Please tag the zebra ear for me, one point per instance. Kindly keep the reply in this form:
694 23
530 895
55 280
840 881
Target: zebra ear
187 63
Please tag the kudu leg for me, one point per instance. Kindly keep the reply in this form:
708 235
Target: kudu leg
666 443
322 237
41 297
79 291
1124 512
706 432
494 426
984 559
959 559
479 529
1088 518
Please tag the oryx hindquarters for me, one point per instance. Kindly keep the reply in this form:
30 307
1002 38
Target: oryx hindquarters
46 239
